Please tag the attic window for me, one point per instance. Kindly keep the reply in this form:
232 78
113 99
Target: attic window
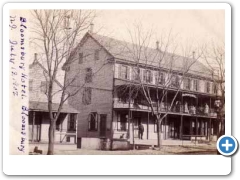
44 86
80 61
68 68
96 55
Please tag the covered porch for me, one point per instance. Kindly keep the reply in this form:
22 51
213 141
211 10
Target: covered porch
66 123
174 127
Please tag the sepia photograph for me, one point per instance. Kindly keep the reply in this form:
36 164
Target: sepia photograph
126 82
117 81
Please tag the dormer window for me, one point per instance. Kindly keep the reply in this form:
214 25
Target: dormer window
96 55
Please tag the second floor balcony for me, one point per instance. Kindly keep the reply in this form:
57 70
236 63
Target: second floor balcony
188 110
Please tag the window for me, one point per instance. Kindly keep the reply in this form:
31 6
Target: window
195 85
72 122
215 88
147 76
88 77
80 56
122 122
93 122
175 81
123 72
44 86
30 85
87 96
68 68
207 87
135 74
187 83
160 78
96 55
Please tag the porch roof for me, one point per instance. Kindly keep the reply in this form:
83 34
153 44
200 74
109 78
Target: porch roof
43 107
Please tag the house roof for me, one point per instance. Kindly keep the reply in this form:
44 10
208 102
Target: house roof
43 107
130 52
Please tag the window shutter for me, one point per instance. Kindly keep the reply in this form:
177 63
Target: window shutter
128 72
140 74
151 76
96 121
116 70
89 121
163 78
144 75
68 122
119 71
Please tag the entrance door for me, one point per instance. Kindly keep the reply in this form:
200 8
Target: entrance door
103 125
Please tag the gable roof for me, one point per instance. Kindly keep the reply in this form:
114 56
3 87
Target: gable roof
36 62
149 56
129 52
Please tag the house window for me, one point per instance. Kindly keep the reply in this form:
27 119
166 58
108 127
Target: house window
215 88
68 68
147 76
72 122
30 85
160 78
175 81
122 123
207 87
96 54
93 122
88 77
187 83
123 72
87 96
195 85
80 56
44 86
135 74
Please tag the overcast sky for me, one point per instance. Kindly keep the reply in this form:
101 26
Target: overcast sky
195 26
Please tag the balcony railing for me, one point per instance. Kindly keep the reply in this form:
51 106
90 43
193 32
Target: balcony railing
183 109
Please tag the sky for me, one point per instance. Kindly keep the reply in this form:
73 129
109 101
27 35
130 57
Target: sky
188 26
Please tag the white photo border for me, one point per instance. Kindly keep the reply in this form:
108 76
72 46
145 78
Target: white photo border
114 164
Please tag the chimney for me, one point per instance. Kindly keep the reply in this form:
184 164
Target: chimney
91 28
35 57
157 45
193 54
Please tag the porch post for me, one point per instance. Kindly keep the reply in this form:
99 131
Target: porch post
196 130
148 126
129 114
165 128
210 107
33 123
191 130
181 127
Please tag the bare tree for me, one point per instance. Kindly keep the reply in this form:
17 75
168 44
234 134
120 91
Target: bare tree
214 57
56 34
170 71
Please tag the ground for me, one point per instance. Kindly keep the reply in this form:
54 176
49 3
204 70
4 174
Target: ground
198 149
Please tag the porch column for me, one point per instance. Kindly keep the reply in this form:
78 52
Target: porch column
196 130
210 107
33 124
209 129
148 126
165 128
129 113
181 127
